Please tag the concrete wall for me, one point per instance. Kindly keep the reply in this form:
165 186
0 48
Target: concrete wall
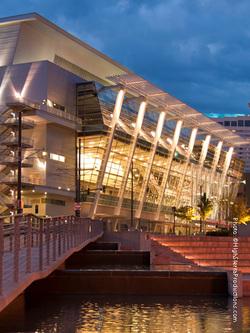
129 240
244 229
61 140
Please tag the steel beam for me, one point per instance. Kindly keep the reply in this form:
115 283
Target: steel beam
157 136
168 167
190 151
110 138
136 132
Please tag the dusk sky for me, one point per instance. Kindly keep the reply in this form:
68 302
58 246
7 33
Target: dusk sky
197 50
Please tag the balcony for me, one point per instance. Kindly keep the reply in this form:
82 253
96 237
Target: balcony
12 141
61 114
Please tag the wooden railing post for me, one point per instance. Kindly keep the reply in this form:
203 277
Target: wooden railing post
1 255
54 238
17 221
71 232
11 234
40 244
28 244
68 232
59 235
64 221
47 240
37 228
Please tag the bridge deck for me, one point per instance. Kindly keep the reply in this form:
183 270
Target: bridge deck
32 248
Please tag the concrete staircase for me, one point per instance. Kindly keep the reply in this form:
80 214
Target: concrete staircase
208 251
204 252
163 255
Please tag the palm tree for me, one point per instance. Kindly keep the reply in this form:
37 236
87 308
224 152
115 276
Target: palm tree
205 208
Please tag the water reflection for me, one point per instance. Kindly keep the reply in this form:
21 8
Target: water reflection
74 314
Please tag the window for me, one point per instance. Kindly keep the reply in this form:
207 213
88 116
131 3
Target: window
240 123
57 157
220 122
234 123
227 123
247 122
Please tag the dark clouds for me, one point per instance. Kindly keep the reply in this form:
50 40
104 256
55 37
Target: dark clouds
198 50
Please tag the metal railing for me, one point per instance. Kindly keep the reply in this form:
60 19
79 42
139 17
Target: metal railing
14 140
61 114
14 121
29 244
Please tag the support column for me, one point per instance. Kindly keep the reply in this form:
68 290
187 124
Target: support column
136 133
114 122
190 150
168 168
223 178
225 169
157 136
203 154
214 166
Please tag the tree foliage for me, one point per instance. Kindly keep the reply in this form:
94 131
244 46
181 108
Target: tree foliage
241 212
186 213
205 207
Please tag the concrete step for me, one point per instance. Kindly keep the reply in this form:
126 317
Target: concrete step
103 246
131 282
97 258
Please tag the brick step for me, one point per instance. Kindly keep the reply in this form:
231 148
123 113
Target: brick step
194 256
244 270
198 238
221 262
205 244
246 288
188 249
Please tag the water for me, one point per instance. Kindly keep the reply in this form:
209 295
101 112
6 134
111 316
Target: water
83 314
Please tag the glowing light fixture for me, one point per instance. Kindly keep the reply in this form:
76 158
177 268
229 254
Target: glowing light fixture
18 95
41 165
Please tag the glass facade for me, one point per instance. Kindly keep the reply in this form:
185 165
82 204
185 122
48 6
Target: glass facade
189 172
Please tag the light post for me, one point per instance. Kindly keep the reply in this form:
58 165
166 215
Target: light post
200 208
174 214
77 174
132 197
19 165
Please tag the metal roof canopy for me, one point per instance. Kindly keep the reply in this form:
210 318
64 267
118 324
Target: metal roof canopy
164 101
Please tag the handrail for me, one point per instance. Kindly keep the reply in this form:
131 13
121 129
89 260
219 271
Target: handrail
30 244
